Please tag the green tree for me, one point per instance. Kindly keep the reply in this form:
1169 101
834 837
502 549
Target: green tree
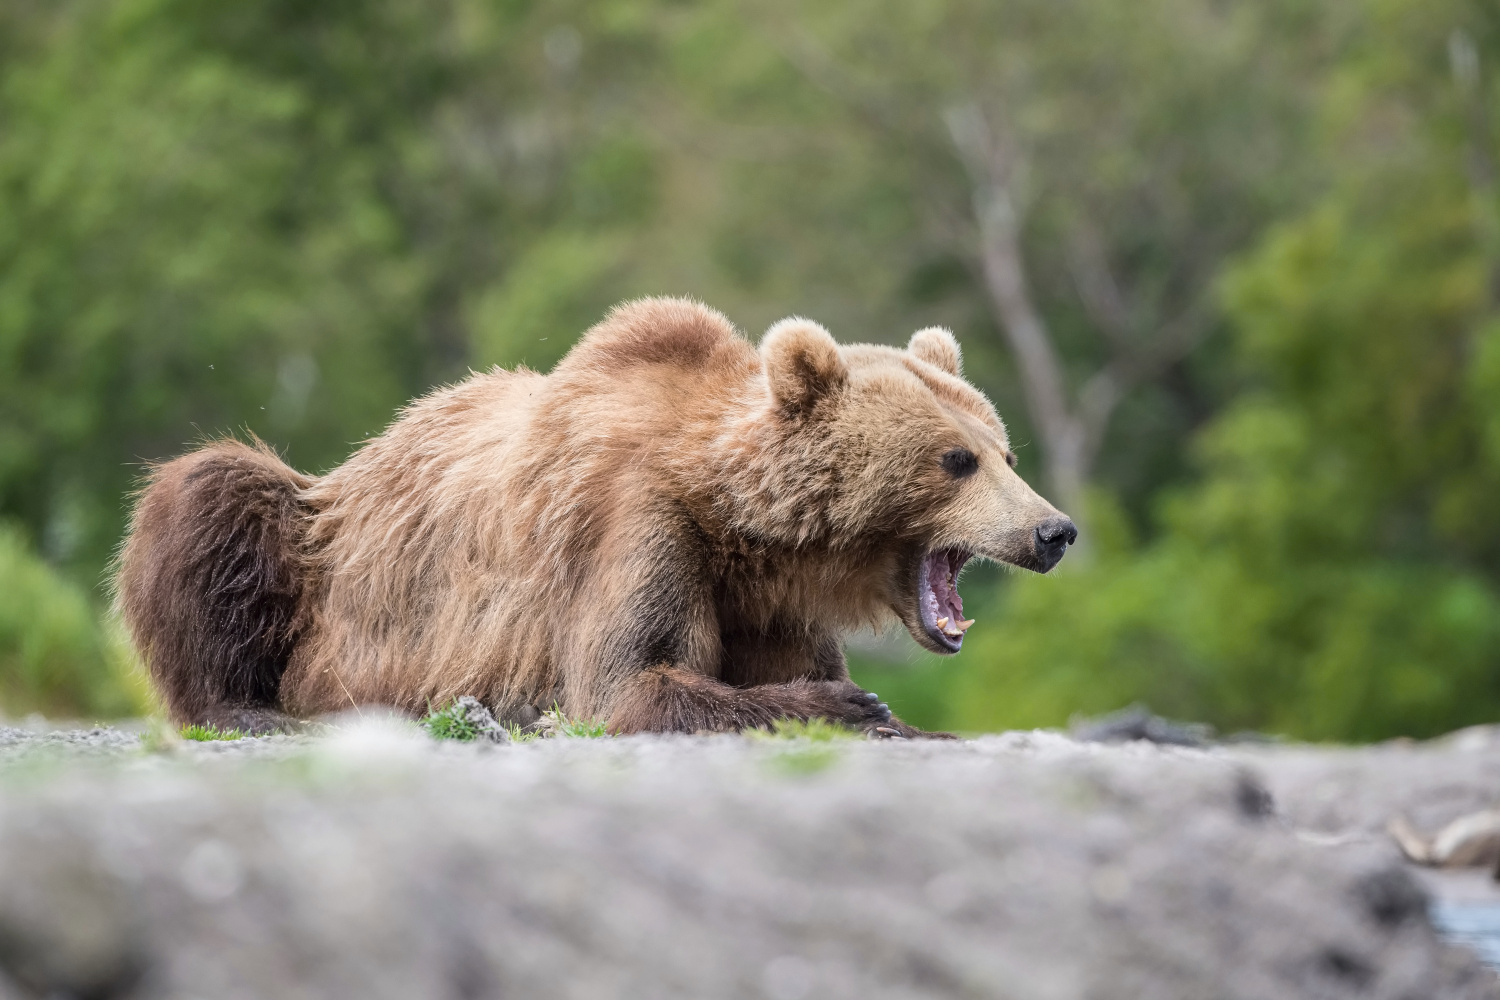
271 217
291 218
1336 572
1059 182
54 656
266 216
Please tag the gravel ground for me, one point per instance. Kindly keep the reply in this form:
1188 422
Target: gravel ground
373 862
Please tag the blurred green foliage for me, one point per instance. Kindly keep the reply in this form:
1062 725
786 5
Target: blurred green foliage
54 656
289 219
1334 572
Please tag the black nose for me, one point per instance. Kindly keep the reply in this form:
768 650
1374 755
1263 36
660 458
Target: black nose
1053 536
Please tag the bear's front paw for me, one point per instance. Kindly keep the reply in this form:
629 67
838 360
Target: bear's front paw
857 707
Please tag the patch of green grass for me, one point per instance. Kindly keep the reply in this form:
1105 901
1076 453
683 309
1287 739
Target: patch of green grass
587 729
206 734
804 761
808 747
454 722
451 722
816 730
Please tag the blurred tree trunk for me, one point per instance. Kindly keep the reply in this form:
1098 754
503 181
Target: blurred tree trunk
1071 424
1463 59
997 174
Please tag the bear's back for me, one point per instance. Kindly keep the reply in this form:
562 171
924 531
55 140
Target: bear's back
649 367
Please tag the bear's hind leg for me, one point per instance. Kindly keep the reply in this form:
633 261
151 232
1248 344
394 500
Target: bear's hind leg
667 699
209 583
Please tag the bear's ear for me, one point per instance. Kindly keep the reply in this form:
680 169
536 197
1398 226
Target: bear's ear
938 348
802 364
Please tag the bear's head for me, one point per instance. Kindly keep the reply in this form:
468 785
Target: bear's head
893 454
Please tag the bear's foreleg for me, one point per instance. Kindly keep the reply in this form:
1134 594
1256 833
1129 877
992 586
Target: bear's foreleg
667 699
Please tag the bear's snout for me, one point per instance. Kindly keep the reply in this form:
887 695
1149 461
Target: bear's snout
1050 540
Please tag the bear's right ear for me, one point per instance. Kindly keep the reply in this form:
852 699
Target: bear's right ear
802 364
938 348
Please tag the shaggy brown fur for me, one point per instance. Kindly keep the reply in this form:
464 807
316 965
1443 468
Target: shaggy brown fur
210 580
672 531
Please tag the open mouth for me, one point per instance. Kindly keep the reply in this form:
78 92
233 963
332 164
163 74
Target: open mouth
938 605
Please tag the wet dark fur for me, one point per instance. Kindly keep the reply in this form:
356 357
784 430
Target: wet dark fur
210 582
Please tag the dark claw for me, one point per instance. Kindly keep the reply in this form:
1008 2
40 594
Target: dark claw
885 710
886 733
871 696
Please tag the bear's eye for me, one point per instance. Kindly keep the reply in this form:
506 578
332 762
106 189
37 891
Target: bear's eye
960 462
1010 459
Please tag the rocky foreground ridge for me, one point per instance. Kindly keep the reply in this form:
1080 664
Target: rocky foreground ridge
375 862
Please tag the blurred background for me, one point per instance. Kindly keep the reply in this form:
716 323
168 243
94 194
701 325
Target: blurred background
1229 270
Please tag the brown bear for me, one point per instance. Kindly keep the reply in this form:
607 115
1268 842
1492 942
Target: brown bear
671 531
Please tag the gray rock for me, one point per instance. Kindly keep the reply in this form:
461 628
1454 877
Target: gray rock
1354 792
17 743
481 719
1136 722
379 863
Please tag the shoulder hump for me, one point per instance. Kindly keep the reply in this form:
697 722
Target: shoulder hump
651 331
